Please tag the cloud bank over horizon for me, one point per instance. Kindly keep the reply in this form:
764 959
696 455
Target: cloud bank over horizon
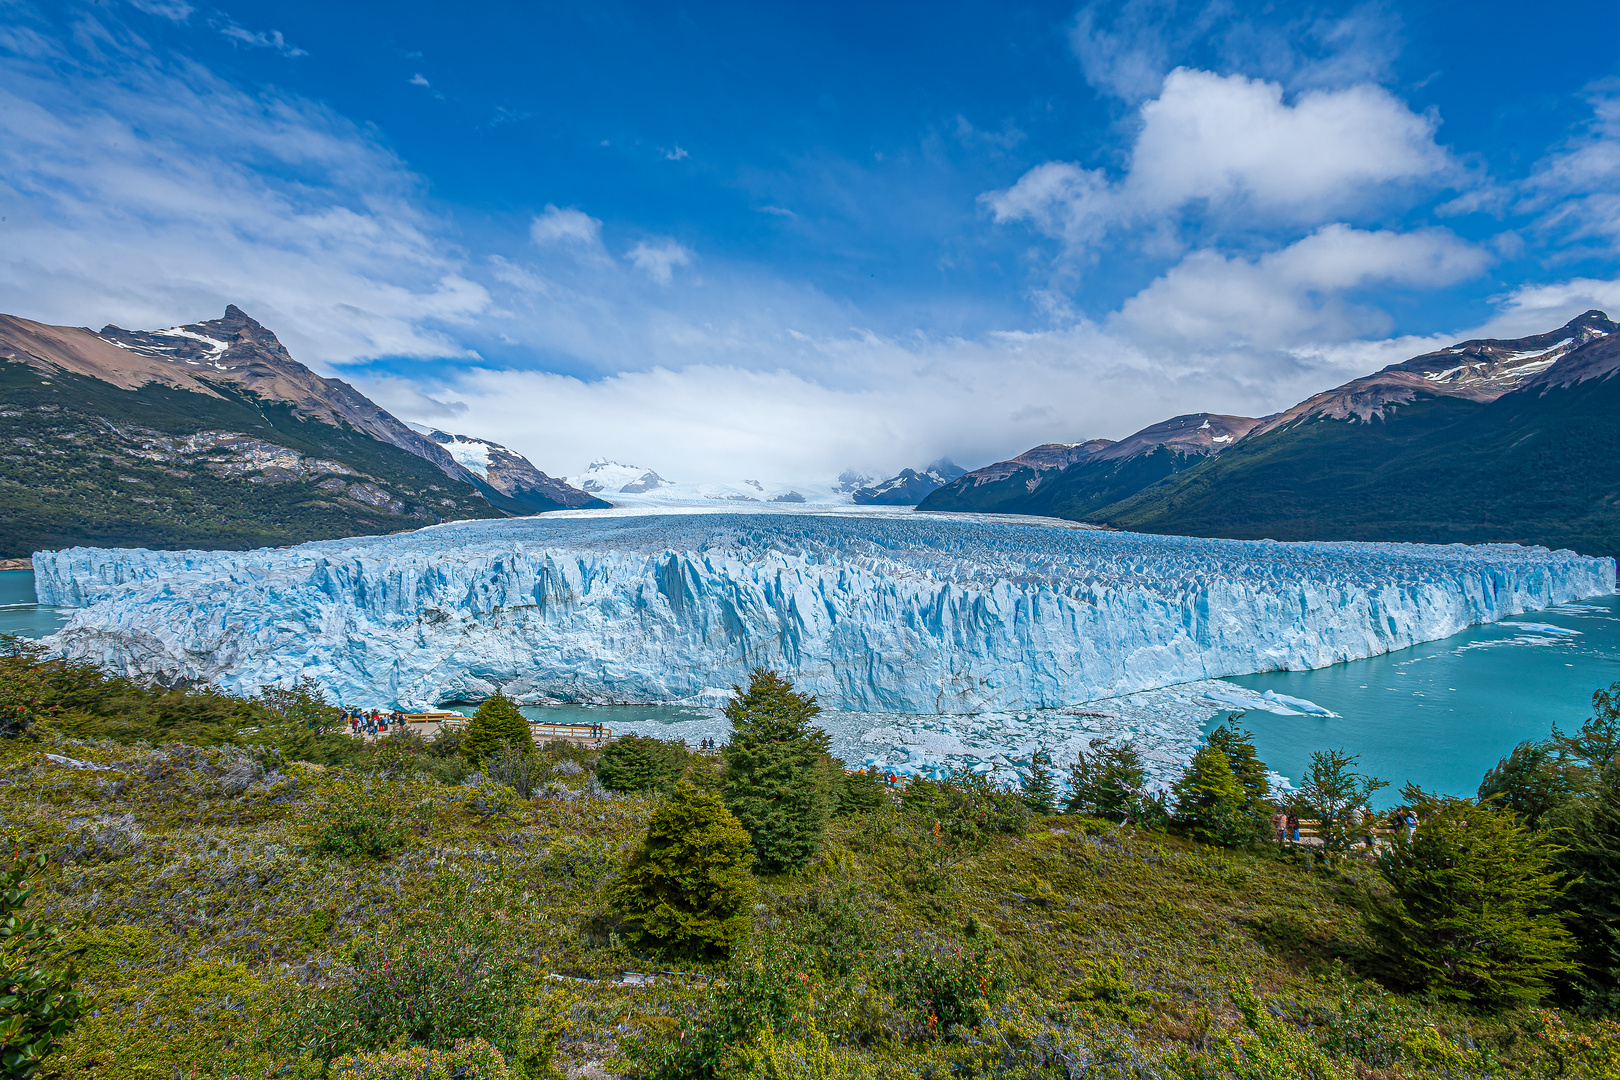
1242 224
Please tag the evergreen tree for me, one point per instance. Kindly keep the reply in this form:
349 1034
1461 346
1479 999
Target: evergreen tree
634 763
1210 801
778 771
1469 912
1591 866
1532 781
1336 794
497 718
1250 772
1108 780
861 793
688 891
1040 790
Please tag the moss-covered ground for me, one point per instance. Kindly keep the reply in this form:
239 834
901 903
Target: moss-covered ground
191 878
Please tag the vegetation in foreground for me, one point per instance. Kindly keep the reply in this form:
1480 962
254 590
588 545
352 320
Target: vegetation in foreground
236 888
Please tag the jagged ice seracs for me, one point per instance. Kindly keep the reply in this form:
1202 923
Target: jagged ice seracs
907 613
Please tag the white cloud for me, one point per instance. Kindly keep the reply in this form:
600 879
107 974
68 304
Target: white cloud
1576 191
258 39
1534 309
1294 297
419 80
566 226
1234 146
675 154
146 191
1126 49
658 260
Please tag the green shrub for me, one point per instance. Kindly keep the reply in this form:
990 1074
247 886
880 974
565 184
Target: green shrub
688 891
860 792
1221 795
945 988
440 976
761 994
779 772
468 1059
964 810
635 763
353 823
497 719
39 1002
521 770
1469 909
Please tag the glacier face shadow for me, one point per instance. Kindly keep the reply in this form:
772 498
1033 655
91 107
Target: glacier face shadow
921 615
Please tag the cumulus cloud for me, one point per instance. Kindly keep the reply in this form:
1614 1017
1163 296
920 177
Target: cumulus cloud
146 191
568 226
1235 148
1292 297
658 260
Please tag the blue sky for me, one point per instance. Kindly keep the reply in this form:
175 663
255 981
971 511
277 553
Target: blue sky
726 240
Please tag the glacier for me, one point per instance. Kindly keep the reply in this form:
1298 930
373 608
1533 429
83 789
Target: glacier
900 612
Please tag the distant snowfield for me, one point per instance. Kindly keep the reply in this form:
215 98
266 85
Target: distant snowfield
875 610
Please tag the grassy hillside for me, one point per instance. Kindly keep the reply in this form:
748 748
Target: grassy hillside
228 898
1526 468
83 462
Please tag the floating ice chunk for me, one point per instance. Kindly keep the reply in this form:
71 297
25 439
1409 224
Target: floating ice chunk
1541 628
1304 705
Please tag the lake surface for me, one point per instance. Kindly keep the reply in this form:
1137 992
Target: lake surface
1439 715
19 614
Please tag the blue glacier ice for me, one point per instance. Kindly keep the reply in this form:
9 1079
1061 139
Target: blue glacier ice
899 613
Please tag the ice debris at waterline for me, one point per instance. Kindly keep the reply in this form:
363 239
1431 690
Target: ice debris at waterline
919 614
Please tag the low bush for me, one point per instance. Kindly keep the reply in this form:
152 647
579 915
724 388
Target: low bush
355 823
39 1001
468 1059
438 977
945 987
512 766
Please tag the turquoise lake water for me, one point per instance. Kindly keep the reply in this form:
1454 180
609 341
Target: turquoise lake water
1441 714
1437 715
19 614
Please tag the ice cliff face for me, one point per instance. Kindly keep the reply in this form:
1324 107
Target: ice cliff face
901 614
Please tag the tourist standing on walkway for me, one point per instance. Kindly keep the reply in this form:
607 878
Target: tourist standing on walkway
1293 825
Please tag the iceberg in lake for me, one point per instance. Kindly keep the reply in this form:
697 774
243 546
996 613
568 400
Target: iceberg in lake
908 613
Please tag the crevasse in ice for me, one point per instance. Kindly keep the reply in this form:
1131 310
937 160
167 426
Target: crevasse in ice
918 614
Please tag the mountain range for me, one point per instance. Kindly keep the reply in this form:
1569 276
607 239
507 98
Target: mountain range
211 435
1488 440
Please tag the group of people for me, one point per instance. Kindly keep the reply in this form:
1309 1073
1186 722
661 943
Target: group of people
370 722
1286 824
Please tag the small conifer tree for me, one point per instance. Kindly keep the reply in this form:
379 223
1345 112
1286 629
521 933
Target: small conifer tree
1336 794
688 890
1250 772
497 718
1040 790
1108 780
861 793
1469 914
1591 865
1208 797
634 763
778 781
